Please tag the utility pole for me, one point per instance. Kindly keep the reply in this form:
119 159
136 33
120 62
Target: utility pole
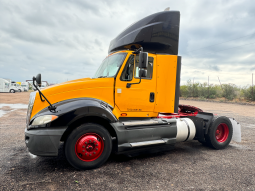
252 86
220 83
193 87
208 86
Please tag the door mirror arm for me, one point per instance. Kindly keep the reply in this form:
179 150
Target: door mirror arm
143 64
129 84
38 80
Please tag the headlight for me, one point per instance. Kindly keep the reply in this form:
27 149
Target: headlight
44 119
30 106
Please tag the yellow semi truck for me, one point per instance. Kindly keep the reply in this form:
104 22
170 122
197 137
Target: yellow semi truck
130 106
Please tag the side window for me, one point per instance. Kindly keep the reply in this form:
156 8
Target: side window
149 69
127 73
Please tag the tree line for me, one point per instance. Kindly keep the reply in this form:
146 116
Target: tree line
227 91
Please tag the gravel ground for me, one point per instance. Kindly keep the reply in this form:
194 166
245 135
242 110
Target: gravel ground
190 166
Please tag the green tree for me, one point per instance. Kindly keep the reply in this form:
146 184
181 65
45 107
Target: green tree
229 91
248 93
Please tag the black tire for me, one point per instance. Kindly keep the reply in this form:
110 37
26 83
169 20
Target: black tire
12 91
212 138
83 131
19 90
203 142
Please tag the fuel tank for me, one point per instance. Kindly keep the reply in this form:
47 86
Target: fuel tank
156 33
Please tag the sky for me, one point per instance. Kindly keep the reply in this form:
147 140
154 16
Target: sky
68 39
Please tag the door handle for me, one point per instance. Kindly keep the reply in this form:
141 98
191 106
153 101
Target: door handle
152 96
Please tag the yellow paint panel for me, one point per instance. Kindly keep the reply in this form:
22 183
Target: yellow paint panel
166 82
100 88
133 101
118 113
137 97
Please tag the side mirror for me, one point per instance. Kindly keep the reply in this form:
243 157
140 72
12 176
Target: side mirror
143 60
38 80
142 73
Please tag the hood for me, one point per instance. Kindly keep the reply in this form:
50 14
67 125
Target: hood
69 85
98 88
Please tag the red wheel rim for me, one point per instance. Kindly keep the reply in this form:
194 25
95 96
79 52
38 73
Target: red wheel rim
222 132
89 147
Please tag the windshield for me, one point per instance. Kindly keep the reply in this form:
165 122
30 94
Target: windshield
110 65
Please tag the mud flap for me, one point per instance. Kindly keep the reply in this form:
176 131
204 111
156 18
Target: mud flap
236 130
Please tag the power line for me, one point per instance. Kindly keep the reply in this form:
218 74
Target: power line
228 48
235 47
220 72
220 43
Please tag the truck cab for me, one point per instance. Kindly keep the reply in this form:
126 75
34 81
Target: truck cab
130 106
20 88
13 86
25 86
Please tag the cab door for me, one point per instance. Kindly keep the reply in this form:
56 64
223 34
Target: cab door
139 97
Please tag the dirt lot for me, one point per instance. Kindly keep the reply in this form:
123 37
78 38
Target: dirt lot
18 97
190 166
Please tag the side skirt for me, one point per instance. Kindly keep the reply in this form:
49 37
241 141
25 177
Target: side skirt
136 136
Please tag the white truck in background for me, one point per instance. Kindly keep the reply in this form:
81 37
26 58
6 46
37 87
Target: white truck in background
8 86
4 85
13 87
20 89
25 85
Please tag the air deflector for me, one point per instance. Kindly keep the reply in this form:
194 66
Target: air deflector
157 33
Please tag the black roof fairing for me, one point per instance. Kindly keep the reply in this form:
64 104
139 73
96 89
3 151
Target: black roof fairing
157 33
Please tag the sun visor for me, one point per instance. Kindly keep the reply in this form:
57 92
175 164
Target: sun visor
157 33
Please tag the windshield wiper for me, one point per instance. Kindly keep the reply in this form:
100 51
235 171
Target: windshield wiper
101 76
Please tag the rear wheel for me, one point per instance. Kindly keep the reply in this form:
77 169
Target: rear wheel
88 146
220 133
12 91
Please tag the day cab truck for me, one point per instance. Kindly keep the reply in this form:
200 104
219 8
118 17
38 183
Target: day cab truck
12 86
130 106
25 86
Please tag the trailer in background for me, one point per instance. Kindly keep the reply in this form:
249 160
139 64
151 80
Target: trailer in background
4 85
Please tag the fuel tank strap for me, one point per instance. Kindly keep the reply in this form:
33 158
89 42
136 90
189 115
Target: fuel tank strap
188 129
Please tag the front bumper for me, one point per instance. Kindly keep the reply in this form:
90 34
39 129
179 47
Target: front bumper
44 142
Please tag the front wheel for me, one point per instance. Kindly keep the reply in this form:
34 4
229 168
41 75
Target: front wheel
88 146
220 133
12 91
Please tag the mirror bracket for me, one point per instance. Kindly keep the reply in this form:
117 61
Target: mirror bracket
137 51
129 84
41 97
51 107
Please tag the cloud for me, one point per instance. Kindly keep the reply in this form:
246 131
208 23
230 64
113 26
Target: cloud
69 39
